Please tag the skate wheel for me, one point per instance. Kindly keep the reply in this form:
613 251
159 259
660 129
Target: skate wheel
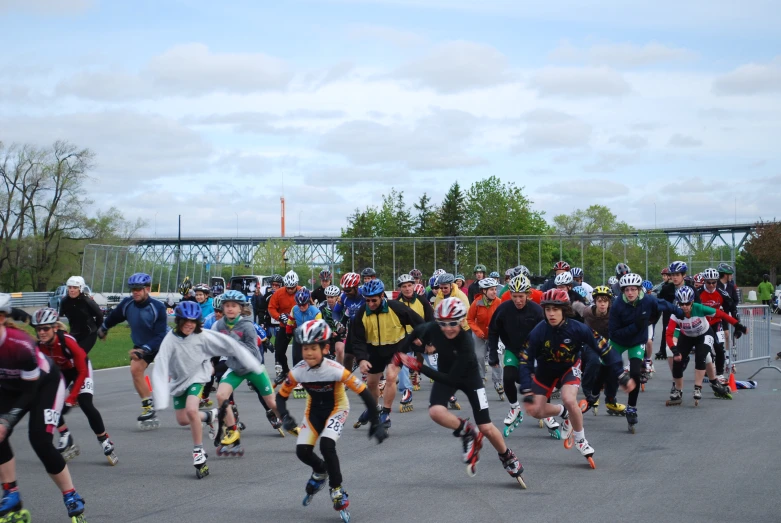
541 424
642 387
568 442
696 403
521 482
345 516
583 404
471 470
281 432
241 426
591 462
307 500
79 519
112 459
595 411
555 434
631 429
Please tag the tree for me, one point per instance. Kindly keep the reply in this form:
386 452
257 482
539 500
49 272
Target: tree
765 246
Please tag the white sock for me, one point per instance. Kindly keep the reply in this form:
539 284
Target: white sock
561 412
579 435
515 405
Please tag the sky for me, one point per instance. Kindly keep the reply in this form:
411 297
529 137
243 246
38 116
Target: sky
668 113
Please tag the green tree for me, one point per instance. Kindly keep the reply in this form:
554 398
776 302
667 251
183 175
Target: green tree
764 246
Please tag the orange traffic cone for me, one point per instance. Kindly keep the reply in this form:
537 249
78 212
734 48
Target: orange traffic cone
732 385
149 383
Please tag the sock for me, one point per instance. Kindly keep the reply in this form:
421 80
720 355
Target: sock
63 429
386 410
10 486
515 405
563 413
580 435
198 447
504 454
103 438
66 492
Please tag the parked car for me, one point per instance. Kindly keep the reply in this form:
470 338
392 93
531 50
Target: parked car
60 293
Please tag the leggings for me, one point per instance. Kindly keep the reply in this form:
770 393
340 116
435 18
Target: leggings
665 320
701 345
481 351
280 350
329 463
88 341
591 369
85 403
511 378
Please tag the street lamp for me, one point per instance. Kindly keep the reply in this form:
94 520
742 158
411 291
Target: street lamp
237 224
155 225
299 222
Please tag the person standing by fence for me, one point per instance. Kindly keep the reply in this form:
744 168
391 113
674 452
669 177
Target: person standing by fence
765 291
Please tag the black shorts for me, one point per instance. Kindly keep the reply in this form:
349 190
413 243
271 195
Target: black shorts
149 357
379 358
441 394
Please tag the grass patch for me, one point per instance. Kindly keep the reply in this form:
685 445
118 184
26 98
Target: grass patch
109 353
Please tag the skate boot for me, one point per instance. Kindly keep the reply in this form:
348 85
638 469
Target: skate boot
415 378
631 418
472 441
661 355
231 443
697 395
211 417
499 388
556 394
590 403
778 356
199 462
341 502
405 405
75 505
148 418
205 403
235 410
385 418
586 451
108 449
280 378
614 408
676 398
649 367
313 486
363 419
66 447
566 434
513 466
11 510
276 424
553 427
513 420
299 392
721 391
453 404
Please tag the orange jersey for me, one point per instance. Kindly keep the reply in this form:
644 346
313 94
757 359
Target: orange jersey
325 385
535 295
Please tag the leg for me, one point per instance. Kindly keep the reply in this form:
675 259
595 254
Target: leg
480 349
87 342
328 450
510 378
194 419
280 350
373 383
569 398
224 392
389 394
404 380
297 357
93 415
635 370
339 352
137 369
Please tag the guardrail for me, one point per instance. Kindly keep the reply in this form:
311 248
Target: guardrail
30 299
755 345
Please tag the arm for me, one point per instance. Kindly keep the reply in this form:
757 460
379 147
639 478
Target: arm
273 306
579 307
80 362
619 332
217 344
428 311
284 393
117 316
527 358
670 333
493 338
94 311
358 336
471 320
666 306
160 328
161 392
600 345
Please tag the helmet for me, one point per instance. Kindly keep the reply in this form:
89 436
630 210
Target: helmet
621 269
405 278
509 273
445 278
565 278
555 297
488 283
49 316
520 284
678 267
420 290
698 278
313 331
189 310
373 288
665 270
522 269
561 266
602 290
415 273
439 272
580 291
495 275
631 280
202 287
480 268
325 275
688 280
303 296
290 279
576 272
710 274
217 303
5 303
725 268
235 296
648 285
332 291
368 271
432 282
460 277
139 280
450 309
277 278
684 295
75 281
350 279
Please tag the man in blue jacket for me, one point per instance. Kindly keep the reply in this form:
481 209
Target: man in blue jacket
148 323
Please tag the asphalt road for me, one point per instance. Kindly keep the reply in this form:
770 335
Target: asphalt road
719 460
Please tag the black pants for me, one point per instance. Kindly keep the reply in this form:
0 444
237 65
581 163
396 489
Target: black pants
591 367
701 345
87 341
330 463
665 321
85 403
280 350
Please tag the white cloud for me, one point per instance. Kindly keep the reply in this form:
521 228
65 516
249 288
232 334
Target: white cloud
46 7
549 129
392 35
623 55
579 82
750 79
589 187
680 140
630 141
456 66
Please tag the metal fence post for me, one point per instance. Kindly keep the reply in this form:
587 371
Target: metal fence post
498 269
539 254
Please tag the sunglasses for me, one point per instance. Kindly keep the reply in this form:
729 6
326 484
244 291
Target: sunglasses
685 304
449 323
373 300
43 329
710 282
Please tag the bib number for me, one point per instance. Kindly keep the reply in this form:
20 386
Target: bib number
482 398
51 417
335 426
87 387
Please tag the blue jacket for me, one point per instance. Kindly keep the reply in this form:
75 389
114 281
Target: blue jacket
206 308
148 322
346 307
209 320
628 324
559 347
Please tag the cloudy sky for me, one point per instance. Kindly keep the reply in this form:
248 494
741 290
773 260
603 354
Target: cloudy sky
208 111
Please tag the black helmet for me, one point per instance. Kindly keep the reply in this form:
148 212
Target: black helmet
276 278
368 271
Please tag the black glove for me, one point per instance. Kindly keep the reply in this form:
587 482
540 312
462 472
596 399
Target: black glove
378 430
288 423
339 328
740 330
283 318
102 333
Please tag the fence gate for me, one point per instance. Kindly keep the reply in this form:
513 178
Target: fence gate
755 345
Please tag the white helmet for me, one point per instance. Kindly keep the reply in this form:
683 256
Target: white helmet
290 279
5 303
45 316
487 283
332 291
565 278
450 309
405 278
76 281
612 280
631 280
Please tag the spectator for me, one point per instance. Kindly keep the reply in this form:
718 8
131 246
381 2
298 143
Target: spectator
765 290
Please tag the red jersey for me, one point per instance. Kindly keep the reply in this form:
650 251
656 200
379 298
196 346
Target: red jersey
715 300
69 357
19 359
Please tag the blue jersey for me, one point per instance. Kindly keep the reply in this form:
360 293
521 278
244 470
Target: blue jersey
148 322
209 320
346 307
206 308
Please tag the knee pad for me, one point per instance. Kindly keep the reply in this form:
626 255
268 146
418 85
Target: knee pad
708 358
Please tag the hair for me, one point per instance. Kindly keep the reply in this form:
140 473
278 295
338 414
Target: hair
566 310
180 321
246 309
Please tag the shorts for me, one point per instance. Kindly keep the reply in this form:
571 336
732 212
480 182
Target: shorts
325 424
180 401
636 351
148 356
510 359
379 359
441 394
544 380
70 375
260 380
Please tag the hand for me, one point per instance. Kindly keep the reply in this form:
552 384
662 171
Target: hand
365 366
740 330
418 343
102 333
377 430
406 360
340 329
289 423
136 353
430 349
677 357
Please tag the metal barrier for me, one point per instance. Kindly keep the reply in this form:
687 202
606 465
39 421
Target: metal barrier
30 299
755 345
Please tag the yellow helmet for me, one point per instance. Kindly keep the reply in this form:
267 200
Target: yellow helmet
520 284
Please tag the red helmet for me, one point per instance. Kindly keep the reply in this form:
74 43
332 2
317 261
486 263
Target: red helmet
420 290
666 270
450 309
561 266
698 278
350 279
555 297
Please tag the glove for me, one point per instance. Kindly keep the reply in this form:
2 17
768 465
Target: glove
283 318
740 330
289 423
340 329
377 430
102 333
403 360
267 346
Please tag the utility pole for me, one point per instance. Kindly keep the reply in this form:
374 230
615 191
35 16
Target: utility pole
179 250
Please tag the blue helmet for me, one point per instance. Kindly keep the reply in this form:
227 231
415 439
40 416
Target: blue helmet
432 282
189 310
678 267
495 275
232 295
303 296
373 288
576 272
684 295
581 291
648 285
138 280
